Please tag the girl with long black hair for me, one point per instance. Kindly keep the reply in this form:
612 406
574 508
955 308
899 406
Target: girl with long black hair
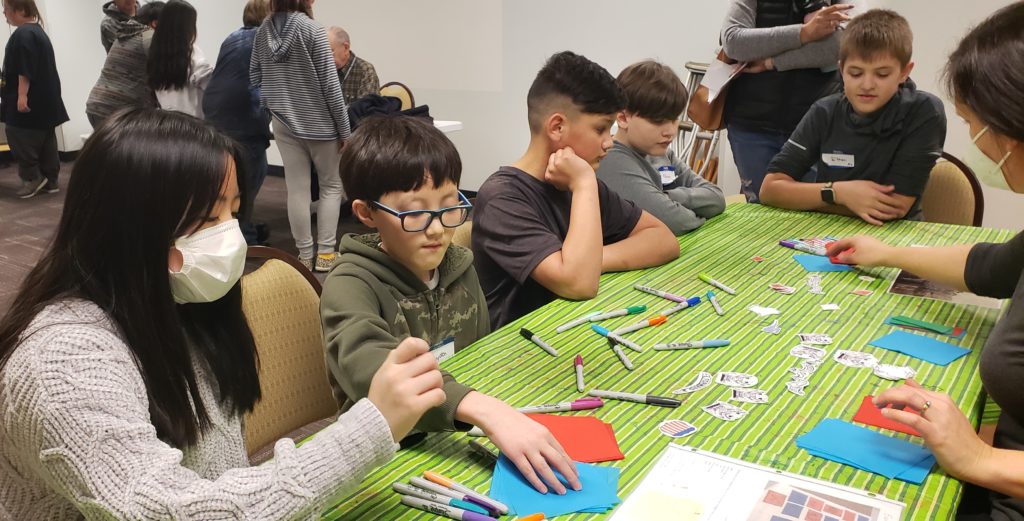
177 68
126 363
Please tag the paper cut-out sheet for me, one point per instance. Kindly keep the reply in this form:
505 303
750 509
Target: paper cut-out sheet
686 484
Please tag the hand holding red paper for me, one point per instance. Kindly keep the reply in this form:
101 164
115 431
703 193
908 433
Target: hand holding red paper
861 250
944 428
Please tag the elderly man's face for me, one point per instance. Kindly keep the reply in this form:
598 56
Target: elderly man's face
342 52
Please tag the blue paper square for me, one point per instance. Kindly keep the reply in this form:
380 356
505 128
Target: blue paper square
798 497
817 263
868 450
599 494
792 510
918 346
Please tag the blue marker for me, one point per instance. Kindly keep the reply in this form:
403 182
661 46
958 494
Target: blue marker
714 302
688 303
617 338
691 345
410 490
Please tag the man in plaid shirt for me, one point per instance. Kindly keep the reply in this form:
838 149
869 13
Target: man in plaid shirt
358 77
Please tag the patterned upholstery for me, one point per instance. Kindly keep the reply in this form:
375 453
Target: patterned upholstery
400 91
953 195
283 312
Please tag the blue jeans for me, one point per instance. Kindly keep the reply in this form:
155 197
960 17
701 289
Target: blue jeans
753 150
255 172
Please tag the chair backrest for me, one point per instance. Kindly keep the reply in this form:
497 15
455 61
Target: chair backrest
953 194
283 312
463 234
400 91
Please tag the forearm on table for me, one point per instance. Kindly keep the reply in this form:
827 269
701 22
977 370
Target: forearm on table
940 264
650 244
1000 470
782 191
478 408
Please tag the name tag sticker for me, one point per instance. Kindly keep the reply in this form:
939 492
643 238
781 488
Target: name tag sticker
668 174
444 349
838 160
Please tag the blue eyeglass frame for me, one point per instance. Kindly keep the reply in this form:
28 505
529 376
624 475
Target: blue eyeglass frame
434 214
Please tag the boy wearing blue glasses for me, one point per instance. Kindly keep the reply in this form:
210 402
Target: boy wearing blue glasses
407 279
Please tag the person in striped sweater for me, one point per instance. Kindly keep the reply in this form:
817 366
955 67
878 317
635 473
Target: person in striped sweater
293 65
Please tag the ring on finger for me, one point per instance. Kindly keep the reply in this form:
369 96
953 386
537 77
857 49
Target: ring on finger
927 405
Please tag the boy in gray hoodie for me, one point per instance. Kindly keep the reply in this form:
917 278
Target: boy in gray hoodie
640 167
409 280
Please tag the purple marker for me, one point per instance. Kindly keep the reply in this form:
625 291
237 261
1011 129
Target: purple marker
577 405
800 246
658 292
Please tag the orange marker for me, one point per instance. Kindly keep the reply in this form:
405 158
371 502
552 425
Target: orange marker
532 517
651 322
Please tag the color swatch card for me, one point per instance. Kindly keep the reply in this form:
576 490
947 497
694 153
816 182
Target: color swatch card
922 347
926 327
815 263
859 447
868 414
599 494
584 438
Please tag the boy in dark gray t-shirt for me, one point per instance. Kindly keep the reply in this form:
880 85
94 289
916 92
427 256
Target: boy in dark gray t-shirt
874 145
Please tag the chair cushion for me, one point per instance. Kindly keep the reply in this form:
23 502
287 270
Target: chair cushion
948 197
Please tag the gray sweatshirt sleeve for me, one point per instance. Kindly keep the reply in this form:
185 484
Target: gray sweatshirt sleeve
701 196
80 416
743 41
629 179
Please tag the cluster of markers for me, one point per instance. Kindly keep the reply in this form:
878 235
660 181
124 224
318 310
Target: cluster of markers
617 341
439 495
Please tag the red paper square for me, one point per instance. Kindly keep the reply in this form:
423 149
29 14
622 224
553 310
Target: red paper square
774 498
811 515
868 414
815 503
584 438
849 516
831 510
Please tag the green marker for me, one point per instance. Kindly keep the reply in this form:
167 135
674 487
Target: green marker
707 278
631 310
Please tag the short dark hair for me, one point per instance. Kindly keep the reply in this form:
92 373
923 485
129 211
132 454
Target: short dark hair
149 13
653 91
984 71
288 6
396 154
254 13
876 33
587 85
28 8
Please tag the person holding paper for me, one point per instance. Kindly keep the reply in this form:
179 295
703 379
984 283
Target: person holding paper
791 48
986 86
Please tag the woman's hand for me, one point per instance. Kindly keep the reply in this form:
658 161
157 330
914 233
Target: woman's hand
943 427
860 250
823 22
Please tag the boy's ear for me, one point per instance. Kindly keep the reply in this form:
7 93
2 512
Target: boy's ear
905 73
622 120
361 209
556 127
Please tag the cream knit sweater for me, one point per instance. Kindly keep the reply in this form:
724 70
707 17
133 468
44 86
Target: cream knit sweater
76 440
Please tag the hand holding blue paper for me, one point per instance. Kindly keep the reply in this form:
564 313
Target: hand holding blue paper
599 494
868 450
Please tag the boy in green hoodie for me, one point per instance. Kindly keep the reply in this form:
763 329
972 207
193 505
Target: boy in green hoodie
407 279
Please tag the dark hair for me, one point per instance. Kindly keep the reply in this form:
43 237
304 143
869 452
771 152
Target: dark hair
170 54
255 12
984 71
396 154
585 84
143 179
149 13
876 33
28 8
289 6
653 91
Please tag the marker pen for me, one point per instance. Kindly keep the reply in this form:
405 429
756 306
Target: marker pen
444 510
622 341
651 322
578 405
804 247
527 334
714 302
707 278
631 310
659 293
578 368
691 345
576 322
621 354
689 303
410 490
472 495
649 399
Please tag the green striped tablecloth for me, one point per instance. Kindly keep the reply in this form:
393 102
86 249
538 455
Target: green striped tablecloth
505 365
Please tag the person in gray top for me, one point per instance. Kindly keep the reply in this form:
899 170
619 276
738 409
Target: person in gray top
986 85
641 167
127 364
116 15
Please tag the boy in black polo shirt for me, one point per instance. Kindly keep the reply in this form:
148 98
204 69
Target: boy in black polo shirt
546 227
875 144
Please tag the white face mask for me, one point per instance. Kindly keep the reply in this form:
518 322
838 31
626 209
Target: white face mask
987 170
213 260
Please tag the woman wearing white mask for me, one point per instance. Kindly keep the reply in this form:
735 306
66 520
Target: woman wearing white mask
118 403
985 80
